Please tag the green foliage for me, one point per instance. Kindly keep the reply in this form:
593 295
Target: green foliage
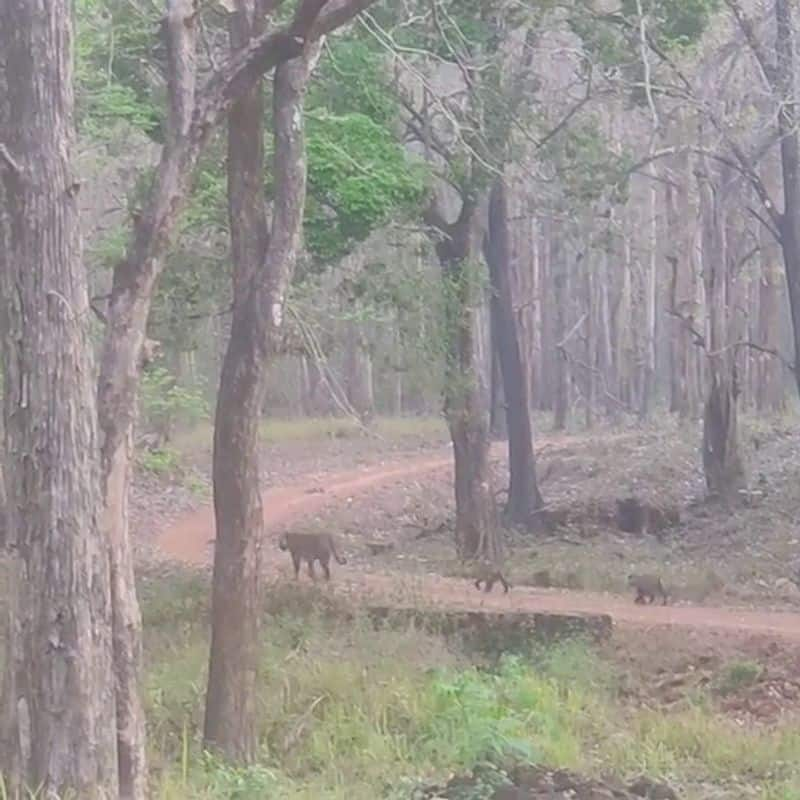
114 55
352 78
358 178
163 462
350 712
165 403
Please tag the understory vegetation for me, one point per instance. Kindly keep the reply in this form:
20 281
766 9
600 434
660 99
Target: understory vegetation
352 711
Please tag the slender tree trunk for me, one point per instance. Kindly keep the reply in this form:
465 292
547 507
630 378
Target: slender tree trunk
498 427
58 733
589 342
358 373
558 272
259 297
549 336
649 385
129 307
524 499
768 378
721 461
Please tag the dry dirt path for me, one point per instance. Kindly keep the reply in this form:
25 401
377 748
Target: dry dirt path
189 541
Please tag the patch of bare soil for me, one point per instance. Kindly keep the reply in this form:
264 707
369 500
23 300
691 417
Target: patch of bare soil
158 503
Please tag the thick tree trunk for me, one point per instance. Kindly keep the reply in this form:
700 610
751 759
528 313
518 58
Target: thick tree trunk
524 499
466 406
230 722
721 461
58 734
789 221
260 293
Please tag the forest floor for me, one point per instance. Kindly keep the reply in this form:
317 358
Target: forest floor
733 570
703 693
731 573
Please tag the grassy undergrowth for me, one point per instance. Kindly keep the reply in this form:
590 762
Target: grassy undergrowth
353 712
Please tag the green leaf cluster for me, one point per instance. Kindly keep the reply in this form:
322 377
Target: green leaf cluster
115 63
358 178
165 402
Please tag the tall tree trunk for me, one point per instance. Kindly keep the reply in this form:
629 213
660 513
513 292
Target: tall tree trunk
558 270
789 221
769 390
129 307
721 461
58 733
679 304
230 722
465 399
649 383
524 499
358 373
498 428
260 287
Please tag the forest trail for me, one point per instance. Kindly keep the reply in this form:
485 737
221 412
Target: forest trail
189 541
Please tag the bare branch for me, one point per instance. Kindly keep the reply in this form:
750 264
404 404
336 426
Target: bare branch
769 69
769 351
572 331
766 223
688 324
5 156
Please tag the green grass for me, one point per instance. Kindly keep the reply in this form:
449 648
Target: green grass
353 712
349 712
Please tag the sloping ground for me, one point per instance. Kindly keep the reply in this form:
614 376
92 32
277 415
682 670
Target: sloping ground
190 540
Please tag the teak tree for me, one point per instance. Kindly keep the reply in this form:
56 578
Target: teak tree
58 726
264 259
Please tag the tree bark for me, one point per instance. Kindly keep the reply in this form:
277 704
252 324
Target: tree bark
465 403
558 271
722 464
789 221
650 369
58 727
193 117
524 499
260 286
498 423
358 373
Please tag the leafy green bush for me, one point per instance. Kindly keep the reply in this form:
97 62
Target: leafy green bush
166 405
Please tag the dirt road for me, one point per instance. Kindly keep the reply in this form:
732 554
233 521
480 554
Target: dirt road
189 541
